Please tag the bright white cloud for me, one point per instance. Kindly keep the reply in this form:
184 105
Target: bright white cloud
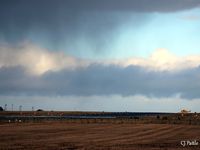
162 60
39 60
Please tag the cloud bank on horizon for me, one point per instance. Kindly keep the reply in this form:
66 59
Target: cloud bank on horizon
54 73
108 49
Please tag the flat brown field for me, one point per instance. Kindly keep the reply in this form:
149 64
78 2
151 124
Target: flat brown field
65 135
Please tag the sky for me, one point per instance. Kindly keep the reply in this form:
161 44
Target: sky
108 55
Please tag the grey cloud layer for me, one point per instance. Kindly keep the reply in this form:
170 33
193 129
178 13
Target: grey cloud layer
101 80
109 5
51 21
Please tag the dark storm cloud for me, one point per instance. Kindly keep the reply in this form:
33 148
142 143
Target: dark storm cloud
55 20
105 5
102 80
14 80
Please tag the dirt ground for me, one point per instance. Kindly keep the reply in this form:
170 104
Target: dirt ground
62 135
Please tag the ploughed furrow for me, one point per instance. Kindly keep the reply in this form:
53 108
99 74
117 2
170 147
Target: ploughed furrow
150 136
133 134
183 133
95 136
163 134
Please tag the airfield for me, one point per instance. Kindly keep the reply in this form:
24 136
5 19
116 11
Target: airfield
99 130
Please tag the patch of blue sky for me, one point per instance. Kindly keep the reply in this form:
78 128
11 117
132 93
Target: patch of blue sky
136 36
173 31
